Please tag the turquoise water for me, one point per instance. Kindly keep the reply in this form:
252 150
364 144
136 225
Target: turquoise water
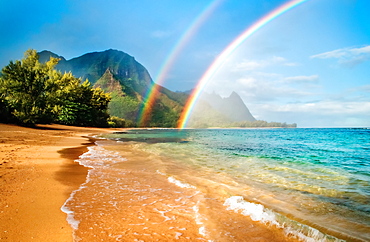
307 178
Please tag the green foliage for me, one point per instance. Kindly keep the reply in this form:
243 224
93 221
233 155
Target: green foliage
125 107
161 117
164 113
5 112
124 103
32 92
178 97
127 81
83 105
93 65
116 122
27 87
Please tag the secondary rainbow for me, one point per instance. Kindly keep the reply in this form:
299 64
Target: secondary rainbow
217 63
153 91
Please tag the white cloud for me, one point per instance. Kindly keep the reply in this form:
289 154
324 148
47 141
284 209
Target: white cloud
253 65
331 54
257 90
302 79
347 56
298 99
365 88
327 107
249 65
324 113
362 50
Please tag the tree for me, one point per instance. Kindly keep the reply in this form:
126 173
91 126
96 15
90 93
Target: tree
82 105
26 86
32 92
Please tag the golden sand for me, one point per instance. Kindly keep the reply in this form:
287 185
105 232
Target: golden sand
38 174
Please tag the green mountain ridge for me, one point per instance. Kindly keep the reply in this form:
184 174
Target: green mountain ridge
93 65
128 83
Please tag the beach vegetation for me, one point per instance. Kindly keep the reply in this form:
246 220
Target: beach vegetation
116 122
32 92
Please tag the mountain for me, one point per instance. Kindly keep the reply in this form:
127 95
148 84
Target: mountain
93 65
212 110
45 55
128 81
232 107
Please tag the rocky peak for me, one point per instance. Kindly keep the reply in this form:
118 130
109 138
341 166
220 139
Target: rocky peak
108 83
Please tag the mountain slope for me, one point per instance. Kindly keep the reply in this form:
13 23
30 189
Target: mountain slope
128 81
125 101
93 65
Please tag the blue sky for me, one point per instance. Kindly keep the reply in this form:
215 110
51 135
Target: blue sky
310 65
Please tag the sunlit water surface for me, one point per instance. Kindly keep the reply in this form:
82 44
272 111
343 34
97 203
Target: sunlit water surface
314 184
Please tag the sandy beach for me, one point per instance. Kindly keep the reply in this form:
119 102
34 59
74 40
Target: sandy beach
37 174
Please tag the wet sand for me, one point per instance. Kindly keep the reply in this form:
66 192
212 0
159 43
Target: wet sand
134 201
37 175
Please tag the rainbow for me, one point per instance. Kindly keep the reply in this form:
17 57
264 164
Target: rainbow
153 91
217 63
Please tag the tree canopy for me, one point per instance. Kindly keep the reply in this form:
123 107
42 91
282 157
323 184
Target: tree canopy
32 92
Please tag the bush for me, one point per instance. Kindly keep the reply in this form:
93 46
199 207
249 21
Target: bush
116 122
32 92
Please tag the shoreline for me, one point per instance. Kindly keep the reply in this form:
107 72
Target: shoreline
119 205
37 174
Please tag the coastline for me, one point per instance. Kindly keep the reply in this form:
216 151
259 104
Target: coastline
37 175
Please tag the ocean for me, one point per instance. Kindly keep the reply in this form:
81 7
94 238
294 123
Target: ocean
225 185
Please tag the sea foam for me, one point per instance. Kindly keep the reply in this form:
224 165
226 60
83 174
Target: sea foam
179 183
94 157
98 156
257 212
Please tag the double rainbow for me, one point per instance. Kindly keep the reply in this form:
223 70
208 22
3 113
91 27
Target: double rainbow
217 63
